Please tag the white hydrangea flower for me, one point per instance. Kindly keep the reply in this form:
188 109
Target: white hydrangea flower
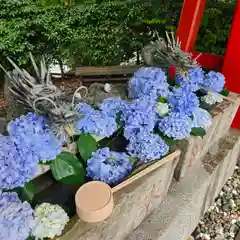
49 221
162 109
212 98
201 118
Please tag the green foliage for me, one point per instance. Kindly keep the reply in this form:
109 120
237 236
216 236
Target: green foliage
86 146
225 92
100 32
215 26
68 169
26 193
198 132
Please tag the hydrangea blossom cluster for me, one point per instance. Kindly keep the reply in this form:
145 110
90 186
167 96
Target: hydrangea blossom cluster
214 81
49 221
112 106
18 163
108 166
194 80
148 81
94 122
147 147
212 98
15 217
84 108
183 101
176 126
201 118
35 133
139 115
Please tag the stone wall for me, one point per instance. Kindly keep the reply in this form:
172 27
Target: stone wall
132 204
178 215
194 148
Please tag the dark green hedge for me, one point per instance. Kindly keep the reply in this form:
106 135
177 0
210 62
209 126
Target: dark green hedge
100 32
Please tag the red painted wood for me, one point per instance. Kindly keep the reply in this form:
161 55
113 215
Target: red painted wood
231 68
190 20
206 60
210 61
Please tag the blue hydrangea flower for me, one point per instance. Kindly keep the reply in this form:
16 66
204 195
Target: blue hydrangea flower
36 134
84 108
214 81
201 118
176 126
15 217
18 164
112 106
147 147
95 122
183 101
194 80
108 166
139 115
148 81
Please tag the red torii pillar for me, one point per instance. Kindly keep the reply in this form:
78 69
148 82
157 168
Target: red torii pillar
231 62
189 24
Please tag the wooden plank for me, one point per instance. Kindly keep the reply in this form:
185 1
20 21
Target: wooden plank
147 170
111 70
106 79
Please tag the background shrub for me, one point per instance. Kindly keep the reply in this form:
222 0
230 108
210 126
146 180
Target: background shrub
98 32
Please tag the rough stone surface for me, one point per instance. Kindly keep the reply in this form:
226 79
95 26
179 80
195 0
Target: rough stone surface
194 148
178 215
221 221
2 125
132 205
96 93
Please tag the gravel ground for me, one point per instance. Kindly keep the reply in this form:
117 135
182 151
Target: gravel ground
222 220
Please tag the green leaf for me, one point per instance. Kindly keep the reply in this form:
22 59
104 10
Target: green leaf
198 132
68 169
86 146
224 92
162 99
132 160
47 163
26 193
118 118
169 141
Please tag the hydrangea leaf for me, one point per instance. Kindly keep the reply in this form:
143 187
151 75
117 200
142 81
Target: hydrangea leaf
162 99
68 169
132 160
26 193
224 92
86 146
118 118
169 141
198 132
